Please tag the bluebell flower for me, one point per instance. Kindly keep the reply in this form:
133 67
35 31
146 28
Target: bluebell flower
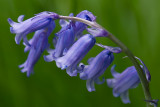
75 54
63 40
96 68
124 81
22 28
80 27
39 43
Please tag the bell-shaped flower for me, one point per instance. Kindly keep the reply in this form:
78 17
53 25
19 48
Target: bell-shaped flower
96 68
75 54
80 27
124 81
22 28
39 43
65 40
62 41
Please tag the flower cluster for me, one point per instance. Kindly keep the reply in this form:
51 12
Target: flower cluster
70 47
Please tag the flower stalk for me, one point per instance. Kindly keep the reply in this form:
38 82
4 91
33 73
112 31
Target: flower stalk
144 82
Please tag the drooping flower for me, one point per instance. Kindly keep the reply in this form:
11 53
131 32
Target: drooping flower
39 43
75 54
124 81
22 28
62 41
65 40
96 68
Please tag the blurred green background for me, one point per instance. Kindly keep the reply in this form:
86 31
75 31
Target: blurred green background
134 22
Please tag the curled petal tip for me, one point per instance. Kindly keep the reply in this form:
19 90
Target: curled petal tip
113 72
111 82
12 30
48 58
18 38
90 90
90 85
10 21
72 73
125 97
20 18
100 82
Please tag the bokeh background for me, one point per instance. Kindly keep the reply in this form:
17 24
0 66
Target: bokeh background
134 22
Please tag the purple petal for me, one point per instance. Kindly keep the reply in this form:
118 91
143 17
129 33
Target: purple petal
11 22
20 18
49 58
114 73
18 38
111 82
90 85
97 81
125 97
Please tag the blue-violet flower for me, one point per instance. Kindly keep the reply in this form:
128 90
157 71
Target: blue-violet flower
96 68
63 40
33 24
38 44
124 81
75 54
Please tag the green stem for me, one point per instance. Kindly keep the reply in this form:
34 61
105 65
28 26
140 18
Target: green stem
144 82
